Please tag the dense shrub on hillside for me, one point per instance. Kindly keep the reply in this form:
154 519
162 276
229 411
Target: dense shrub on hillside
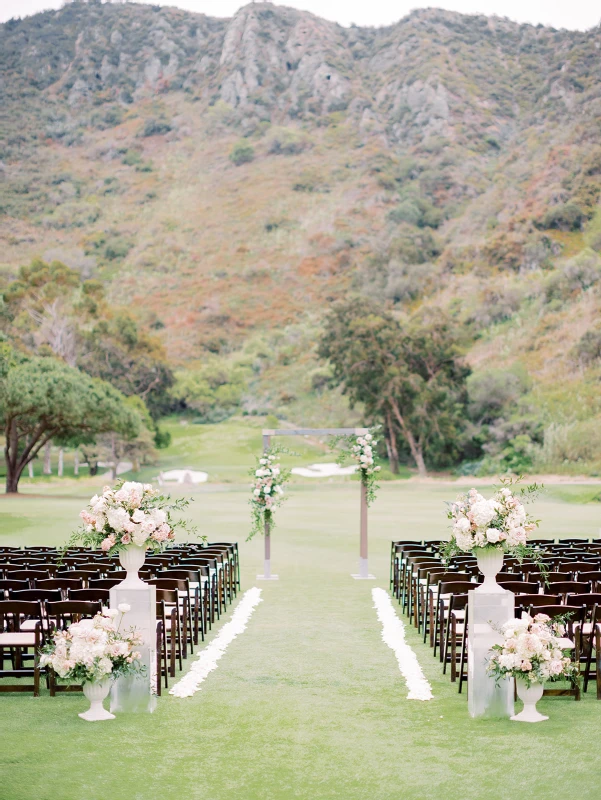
72 215
566 217
407 282
497 305
155 127
242 153
588 350
578 275
286 141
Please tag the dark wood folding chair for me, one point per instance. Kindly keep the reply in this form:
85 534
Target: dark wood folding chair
563 588
198 582
6 585
594 578
519 587
83 574
166 667
455 632
64 584
445 591
169 599
182 587
18 642
103 583
94 595
574 568
528 603
29 575
590 631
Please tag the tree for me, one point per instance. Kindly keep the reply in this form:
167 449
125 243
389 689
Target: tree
50 309
409 376
117 351
43 399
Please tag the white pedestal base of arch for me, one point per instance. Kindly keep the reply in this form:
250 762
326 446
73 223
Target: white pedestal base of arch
364 573
267 576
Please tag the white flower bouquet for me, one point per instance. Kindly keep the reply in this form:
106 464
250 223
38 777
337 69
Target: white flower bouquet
130 514
267 490
535 650
363 451
500 522
92 650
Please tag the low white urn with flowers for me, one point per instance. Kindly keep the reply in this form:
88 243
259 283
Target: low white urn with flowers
490 528
534 650
94 652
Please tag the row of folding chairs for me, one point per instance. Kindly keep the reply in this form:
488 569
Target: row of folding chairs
194 587
434 595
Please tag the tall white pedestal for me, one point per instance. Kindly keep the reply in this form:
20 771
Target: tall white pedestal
133 694
485 697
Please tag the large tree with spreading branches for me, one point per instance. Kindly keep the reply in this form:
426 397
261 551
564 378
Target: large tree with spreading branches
407 374
42 399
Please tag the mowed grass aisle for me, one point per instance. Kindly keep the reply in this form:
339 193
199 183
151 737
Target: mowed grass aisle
307 702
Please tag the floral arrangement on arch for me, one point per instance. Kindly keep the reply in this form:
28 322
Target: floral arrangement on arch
267 486
130 514
362 449
500 522
534 649
94 649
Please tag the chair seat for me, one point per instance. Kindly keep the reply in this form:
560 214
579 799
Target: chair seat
29 624
587 628
18 639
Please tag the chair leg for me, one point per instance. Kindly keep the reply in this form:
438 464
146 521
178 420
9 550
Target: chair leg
463 653
598 662
453 651
159 663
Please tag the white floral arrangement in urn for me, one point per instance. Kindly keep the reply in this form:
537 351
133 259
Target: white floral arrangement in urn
130 514
500 522
491 528
267 490
534 650
94 652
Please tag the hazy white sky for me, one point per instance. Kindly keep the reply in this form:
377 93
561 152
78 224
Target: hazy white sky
574 14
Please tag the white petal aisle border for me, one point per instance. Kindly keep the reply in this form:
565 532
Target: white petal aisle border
393 634
208 658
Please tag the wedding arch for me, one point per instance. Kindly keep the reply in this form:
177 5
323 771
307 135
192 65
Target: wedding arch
363 573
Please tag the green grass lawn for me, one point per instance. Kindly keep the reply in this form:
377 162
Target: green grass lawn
308 702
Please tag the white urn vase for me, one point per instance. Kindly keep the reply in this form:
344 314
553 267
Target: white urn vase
529 695
132 558
96 692
490 561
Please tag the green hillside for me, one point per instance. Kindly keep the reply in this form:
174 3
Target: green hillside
223 182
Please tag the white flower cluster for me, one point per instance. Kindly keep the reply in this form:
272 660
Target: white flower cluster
267 488
499 522
363 453
127 515
534 648
94 648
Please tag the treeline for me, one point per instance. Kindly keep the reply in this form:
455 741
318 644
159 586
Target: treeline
77 371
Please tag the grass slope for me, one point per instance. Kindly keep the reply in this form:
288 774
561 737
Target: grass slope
308 702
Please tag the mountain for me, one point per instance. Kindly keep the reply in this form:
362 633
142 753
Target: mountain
228 179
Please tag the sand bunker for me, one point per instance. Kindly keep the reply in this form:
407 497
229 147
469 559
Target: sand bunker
323 471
